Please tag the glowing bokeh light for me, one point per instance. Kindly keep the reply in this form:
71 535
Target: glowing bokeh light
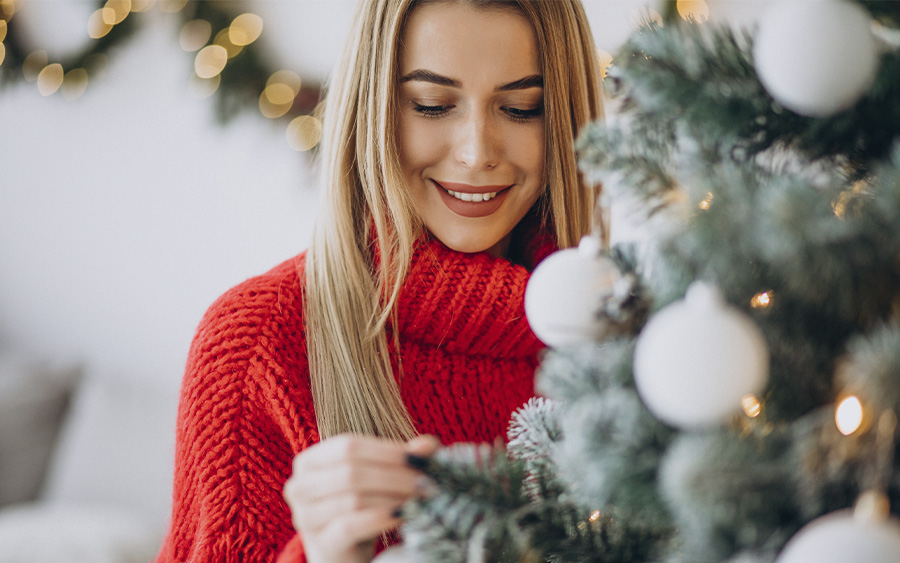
751 405
210 61
75 83
194 35
304 132
288 77
245 29
120 10
223 40
605 59
50 79
697 10
97 23
761 300
704 205
33 64
2 53
849 415
595 515
3 29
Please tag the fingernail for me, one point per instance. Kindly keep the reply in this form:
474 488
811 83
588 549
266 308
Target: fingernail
398 512
416 462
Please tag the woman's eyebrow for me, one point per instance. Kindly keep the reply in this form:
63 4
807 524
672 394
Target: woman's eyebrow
532 81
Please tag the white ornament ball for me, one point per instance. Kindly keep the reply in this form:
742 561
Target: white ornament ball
696 359
816 58
841 537
564 293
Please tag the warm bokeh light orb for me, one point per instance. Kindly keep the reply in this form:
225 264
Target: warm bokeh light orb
120 10
849 415
751 406
2 53
210 61
50 79
33 64
3 30
172 6
194 35
142 5
223 39
75 83
97 24
697 10
304 132
761 300
245 29
288 77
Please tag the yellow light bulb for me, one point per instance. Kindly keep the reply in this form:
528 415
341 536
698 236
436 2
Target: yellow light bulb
751 405
50 79
849 415
697 10
245 29
304 132
210 61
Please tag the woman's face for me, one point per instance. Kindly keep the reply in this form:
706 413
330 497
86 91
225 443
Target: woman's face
471 122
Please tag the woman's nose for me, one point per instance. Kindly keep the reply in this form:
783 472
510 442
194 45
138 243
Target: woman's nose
477 144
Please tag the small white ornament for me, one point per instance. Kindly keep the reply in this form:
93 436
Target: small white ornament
696 359
816 58
841 537
565 292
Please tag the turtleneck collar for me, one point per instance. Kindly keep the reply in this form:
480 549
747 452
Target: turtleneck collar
473 303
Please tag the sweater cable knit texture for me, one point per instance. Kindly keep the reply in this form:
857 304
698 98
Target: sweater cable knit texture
468 360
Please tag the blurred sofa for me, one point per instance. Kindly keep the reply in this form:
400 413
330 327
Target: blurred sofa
85 463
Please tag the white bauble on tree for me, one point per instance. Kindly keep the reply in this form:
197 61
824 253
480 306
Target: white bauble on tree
842 536
696 359
564 294
816 58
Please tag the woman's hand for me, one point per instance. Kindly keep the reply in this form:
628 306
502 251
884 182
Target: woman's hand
346 490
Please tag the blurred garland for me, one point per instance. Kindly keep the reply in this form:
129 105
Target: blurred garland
238 87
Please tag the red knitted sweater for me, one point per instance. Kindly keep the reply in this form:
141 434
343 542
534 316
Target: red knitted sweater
468 360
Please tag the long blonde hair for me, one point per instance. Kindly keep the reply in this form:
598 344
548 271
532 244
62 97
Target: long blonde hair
367 210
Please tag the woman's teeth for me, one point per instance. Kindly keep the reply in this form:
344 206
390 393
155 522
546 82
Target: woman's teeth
472 197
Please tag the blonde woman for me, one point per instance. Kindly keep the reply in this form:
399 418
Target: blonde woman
313 390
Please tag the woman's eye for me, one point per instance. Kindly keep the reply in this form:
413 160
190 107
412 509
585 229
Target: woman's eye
519 114
431 111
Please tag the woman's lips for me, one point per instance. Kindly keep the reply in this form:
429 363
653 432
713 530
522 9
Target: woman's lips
471 208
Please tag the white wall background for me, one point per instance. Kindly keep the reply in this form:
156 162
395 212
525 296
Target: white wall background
126 212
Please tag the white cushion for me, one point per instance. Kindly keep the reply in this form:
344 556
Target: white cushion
33 399
50 533
117 446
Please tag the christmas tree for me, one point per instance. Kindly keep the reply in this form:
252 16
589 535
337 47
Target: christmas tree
732 393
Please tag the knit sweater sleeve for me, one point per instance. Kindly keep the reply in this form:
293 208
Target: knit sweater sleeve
245 411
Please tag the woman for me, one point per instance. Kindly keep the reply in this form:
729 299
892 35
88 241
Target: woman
312 391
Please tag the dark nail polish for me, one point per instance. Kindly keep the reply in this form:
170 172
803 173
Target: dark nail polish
398 512
416 462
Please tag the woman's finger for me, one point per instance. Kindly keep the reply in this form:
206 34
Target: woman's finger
318 515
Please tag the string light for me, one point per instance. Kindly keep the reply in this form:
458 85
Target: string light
304 132
696 10
50 79
761 300
75 83
751 405
245 29
605 59
115 11
849 415
33 64
194 35
706 202
98 25
210 61
223 39
595 515
278 96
